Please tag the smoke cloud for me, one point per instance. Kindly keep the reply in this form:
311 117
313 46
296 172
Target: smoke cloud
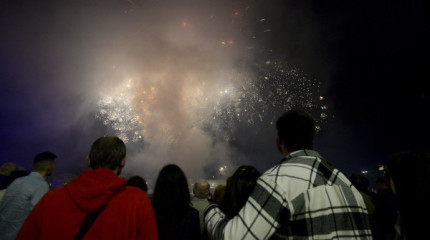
195 83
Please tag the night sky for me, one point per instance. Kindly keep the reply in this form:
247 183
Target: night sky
60 59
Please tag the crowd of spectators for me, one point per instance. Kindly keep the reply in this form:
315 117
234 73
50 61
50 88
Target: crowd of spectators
301 197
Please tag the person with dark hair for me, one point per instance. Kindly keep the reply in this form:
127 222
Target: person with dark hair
176 219
239 188
95 205
302 197
219 194
5 170
139 182
408 174
201 191
23 194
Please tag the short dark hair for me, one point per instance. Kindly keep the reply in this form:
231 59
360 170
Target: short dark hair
42 159
107 152
296 130
139 182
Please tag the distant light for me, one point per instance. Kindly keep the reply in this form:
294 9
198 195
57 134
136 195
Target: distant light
381 168
364 172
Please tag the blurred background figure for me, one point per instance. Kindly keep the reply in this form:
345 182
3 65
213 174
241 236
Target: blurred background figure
362 184
139 182
5 170
386 208
408 175
218 195
201 191
23 194
14 175
176 219
239 188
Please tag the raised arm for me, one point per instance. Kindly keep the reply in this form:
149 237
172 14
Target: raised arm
258 219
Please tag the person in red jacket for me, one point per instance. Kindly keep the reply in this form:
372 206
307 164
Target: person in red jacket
123 212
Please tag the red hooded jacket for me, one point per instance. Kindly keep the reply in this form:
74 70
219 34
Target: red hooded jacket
60 213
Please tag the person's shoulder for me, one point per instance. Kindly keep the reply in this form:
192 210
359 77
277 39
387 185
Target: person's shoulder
134 193
192 212
134 190
199 200
22 179
56 192
55 197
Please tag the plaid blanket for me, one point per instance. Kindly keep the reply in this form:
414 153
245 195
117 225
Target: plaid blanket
302 197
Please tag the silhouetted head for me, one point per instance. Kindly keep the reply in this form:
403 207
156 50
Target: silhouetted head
239 188
44 163
171 185
139 182
296 131
107 152
219 194
7 168
360 182
171 200
201 189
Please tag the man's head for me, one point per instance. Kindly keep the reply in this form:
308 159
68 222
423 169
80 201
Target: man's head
296 130
107 152
44 163
201 189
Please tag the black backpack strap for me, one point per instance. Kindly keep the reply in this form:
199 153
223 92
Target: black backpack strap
89 220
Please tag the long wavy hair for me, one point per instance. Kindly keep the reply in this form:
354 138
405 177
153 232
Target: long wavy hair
239 188
171 200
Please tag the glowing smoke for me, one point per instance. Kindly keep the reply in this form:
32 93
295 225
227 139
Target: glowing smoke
184 90
177 80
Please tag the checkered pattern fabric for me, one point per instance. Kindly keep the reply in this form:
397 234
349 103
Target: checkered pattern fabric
300 198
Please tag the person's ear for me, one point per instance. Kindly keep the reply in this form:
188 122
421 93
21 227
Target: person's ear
122 163
88 162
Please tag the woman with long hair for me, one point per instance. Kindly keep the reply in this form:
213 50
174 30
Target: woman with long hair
408 174
176 219
239 188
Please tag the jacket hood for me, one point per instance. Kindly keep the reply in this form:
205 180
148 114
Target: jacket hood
93 189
